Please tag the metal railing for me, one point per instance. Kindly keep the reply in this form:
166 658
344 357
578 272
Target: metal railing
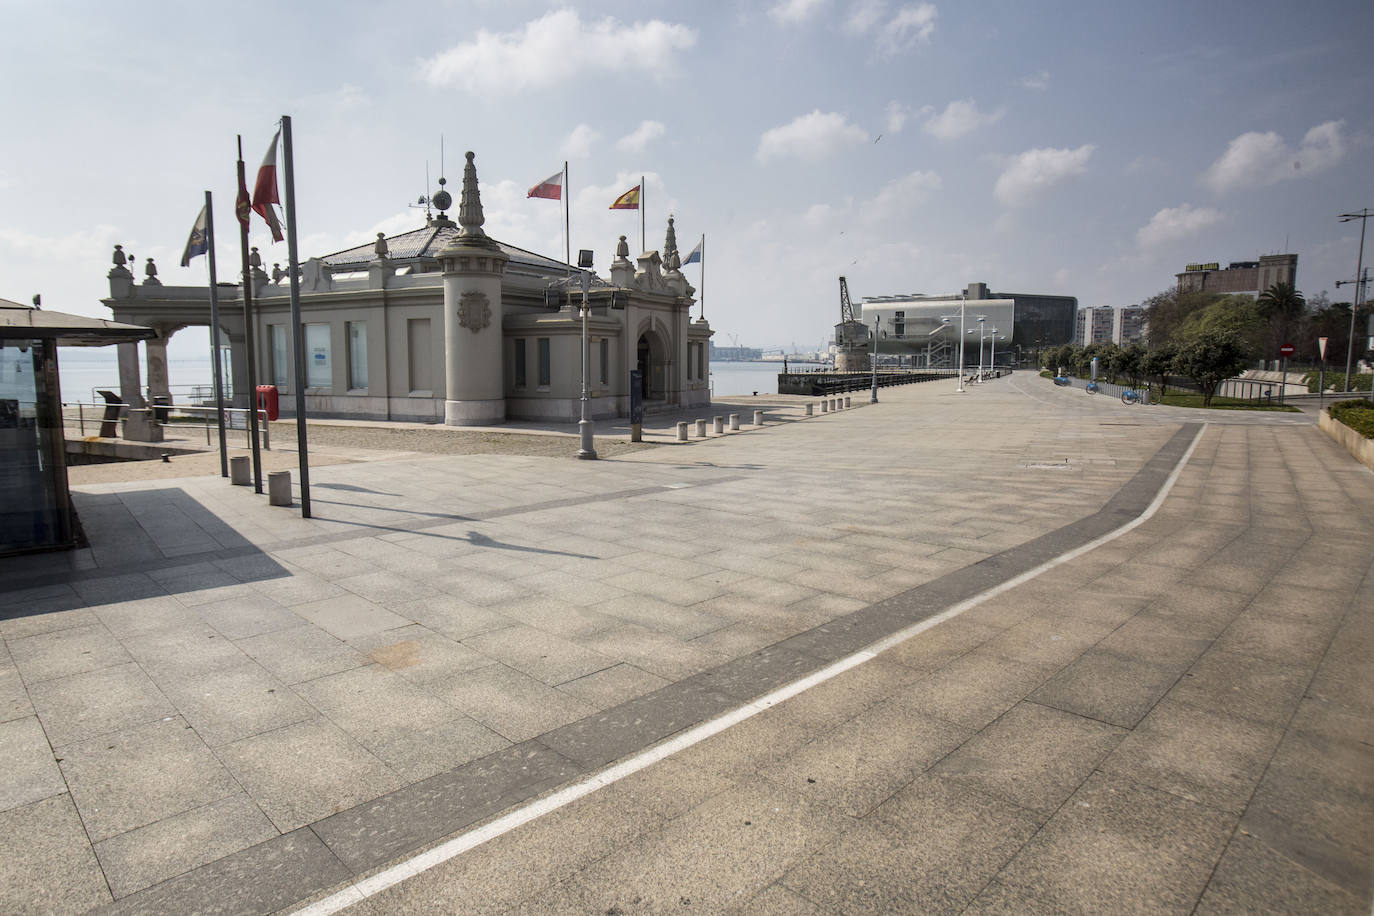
81 415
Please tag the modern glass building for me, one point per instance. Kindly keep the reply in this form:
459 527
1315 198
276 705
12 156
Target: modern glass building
923 331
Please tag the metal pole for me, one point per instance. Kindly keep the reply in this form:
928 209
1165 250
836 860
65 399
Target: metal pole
643 245
873 399
214 341
567 222
584 425
702 297
963 297
992 357
248 330
1362 216
297 338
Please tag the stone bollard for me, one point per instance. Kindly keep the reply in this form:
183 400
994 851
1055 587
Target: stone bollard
810 410
846 401
825 406
239 471
834 403
682 431
758 418
279 488
701 429
734 421
718 425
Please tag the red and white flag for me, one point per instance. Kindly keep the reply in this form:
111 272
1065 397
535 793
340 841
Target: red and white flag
550 188
265 189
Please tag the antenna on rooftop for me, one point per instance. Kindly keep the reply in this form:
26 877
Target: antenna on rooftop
424 200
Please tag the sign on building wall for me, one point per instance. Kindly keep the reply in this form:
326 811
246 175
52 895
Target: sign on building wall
1211 265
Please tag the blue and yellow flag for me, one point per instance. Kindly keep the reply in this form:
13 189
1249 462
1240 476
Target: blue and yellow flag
198 243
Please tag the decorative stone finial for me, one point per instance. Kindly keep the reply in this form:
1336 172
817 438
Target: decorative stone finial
254 259
119 258
622 249
380 246
150 270
470 215
671 259
442 199
277 272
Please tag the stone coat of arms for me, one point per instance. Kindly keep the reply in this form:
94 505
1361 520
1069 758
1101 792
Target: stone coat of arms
474 310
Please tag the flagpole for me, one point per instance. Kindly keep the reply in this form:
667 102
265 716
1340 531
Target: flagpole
214 336
567 230
643 245
297 343
703 276
248 330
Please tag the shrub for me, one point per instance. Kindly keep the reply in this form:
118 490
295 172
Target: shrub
1357 413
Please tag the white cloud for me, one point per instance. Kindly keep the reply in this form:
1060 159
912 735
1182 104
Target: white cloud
959 118
555 48
1061 278
897 199
1255 159
864 15
1173 224
792 12
1039 81
897 113
641 136
1036 170
811 136
910 25
578 144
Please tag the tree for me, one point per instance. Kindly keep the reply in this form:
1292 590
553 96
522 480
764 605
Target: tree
1157 364
1283 308
1166 312
1130 362
1210 358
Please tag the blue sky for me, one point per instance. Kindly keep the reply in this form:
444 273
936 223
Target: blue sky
1074 148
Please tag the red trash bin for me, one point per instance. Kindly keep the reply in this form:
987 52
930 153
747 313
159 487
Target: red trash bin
267 400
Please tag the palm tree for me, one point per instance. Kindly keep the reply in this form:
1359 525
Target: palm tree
1283 307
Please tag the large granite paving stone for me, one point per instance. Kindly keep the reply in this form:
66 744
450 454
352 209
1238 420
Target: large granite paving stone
1109 687
190 651
14 698
247 615
307 771
232 703
49 866
29 772
452 617
419 654
930 848
1032 756
544 656
511 704
1116 846
612 686
976 688
80 706
151 854
349 616
140 775
1254 878
64 652
301 653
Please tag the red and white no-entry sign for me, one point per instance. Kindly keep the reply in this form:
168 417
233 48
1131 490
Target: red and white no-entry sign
1287 350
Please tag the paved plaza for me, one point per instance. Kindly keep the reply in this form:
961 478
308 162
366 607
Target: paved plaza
221 707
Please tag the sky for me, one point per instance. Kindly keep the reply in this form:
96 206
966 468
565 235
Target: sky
1084 149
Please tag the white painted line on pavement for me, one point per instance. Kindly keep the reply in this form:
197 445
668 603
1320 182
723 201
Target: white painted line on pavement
358 891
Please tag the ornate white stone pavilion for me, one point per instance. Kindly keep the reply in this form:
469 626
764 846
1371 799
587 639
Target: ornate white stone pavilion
442 324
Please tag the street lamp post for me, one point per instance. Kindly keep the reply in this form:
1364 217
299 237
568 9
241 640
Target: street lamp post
585 426
1362 216
981 320
946 319
992 357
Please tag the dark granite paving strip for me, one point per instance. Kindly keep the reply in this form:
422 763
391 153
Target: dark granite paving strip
260 879
362 530
409 818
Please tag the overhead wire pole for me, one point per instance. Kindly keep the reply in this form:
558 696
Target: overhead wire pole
243 209
297 341
214 337
1363 217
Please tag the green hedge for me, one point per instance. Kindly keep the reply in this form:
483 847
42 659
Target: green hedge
1336 381
1358 414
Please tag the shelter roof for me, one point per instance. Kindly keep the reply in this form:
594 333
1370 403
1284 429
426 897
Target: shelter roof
24 322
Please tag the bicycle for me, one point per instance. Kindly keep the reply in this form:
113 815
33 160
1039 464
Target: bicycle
1091 388
1062 381
1130 397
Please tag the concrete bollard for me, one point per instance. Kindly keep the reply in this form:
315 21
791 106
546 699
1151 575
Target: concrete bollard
825 406
718 425
810 410
834 403
682 431
734 421
846 401
279 488
701 429
758 418
239 471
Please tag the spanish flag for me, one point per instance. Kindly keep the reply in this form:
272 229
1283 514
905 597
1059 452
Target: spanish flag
627 201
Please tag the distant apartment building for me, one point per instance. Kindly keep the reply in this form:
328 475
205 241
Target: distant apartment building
1246 277
1095 325
1129 326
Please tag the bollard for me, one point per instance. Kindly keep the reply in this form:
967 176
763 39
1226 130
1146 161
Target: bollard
701 429
682 431
279 488
834 403
758 418
718 425
734 421
810 410
846 401
239 471
825 406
